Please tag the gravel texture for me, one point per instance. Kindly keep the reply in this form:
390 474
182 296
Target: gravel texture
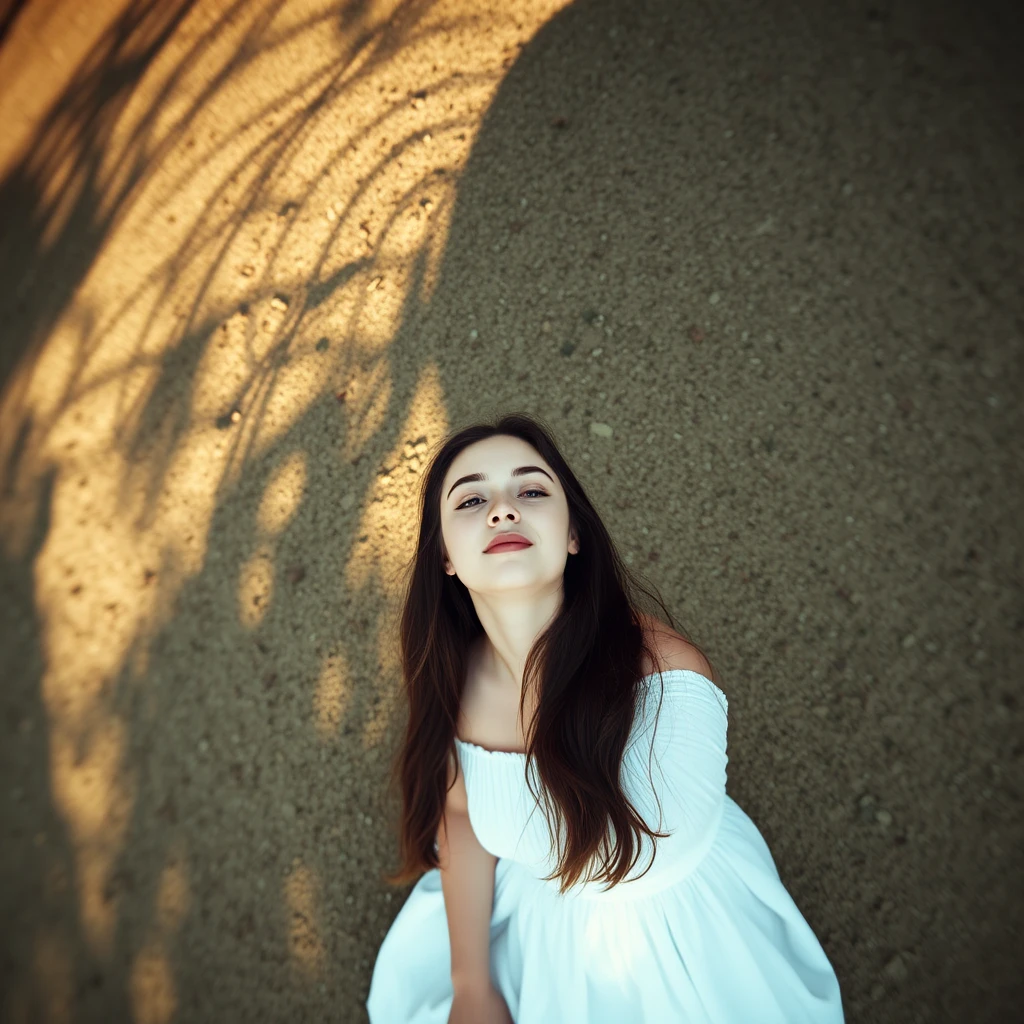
756 263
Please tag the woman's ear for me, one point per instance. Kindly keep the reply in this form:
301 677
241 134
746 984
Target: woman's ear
574 542
445 564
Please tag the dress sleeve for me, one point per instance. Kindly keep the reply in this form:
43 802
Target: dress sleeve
677 759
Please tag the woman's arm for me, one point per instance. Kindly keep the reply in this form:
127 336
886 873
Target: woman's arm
467 882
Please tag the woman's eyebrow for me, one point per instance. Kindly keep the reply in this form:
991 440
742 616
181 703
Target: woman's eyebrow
521 471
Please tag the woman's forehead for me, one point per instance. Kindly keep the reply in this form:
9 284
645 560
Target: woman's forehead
496 455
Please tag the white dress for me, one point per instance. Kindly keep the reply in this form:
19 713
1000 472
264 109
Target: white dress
709 935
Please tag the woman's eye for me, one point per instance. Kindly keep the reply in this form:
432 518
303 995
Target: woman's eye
529 490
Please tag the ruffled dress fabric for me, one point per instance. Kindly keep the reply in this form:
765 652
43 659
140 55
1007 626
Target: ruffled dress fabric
708 935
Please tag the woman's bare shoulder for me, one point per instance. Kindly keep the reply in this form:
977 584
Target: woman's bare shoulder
671 650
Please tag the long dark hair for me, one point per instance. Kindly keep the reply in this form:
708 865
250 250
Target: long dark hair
587 666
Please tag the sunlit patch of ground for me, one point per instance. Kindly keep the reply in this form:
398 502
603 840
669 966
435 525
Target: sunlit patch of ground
261 188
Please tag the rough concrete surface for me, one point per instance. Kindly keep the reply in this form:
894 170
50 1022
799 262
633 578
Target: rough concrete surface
258 257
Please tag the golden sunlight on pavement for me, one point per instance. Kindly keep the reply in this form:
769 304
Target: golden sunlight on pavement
267 199
152 986
302 900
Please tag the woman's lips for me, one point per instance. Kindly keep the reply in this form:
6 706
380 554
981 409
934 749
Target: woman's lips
513 546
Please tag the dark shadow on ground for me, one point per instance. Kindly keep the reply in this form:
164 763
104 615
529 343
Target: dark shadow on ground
773 247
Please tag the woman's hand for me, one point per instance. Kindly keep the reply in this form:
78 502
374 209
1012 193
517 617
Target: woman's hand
482 1004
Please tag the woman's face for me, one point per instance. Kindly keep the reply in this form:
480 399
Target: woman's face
531 504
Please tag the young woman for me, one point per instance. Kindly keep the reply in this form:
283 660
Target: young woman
562 781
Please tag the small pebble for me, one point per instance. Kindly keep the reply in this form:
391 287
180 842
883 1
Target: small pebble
601 429
896 968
